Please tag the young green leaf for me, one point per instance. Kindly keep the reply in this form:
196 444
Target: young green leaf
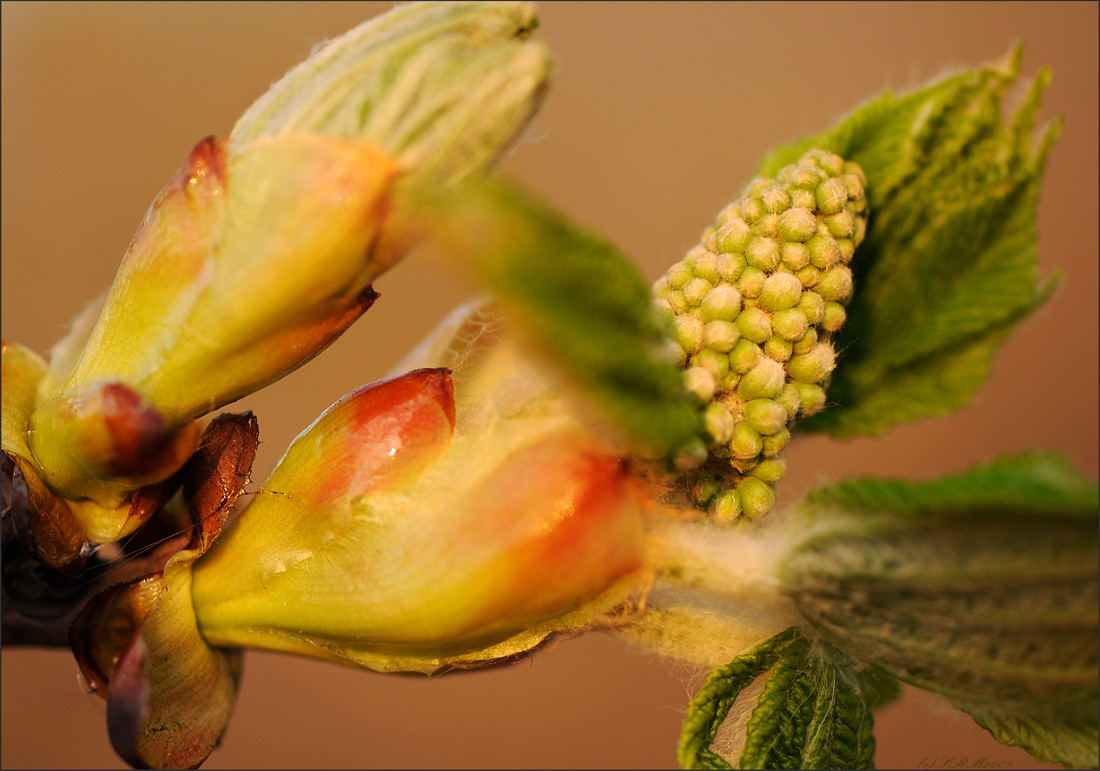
981 586
840 734
710 707
580 302
949 264
811 713
1072 743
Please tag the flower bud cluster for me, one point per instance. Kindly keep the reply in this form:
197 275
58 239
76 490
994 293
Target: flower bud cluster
752 309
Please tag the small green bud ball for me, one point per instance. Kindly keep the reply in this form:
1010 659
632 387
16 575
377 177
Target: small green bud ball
794 255
762 253
859 229
718 364
767 226
776 199
703 491
732 378
809 276
833 317
840 224
744 356
812 307
830 196
805 343
751 282
847 249
798 224
678 302
706 267
852 186
836 284
755 325
662 311
780 291
757 497
803 199
726 506
721 335
730 267
697 289
733 236
774 444
753 209
770 470
758 187
719 423
765 416
813 366
779 349
764 381
790 324
688 332
732 211
788 398
709 239
824 252
676 354
722 304
701 382
811 396
806 177
746 442
831 163
694 253
851 167
678 275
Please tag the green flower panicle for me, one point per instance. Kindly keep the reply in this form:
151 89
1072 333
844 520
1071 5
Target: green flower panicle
752 310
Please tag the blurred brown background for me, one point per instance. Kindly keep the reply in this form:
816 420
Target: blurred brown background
658 115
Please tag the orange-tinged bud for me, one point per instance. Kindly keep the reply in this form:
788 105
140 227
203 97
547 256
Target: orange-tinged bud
133 440
377 437
261 250
109 432
244 269
383 540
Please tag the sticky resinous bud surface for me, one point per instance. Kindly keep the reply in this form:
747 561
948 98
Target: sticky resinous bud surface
394 538
751 311
263 247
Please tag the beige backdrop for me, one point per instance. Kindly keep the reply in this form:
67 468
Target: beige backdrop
658 115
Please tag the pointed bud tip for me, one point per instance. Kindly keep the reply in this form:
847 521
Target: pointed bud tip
381 434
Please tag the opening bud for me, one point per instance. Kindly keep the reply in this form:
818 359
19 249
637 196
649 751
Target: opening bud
384 540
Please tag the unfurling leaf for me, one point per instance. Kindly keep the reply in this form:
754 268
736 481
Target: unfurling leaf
811 712
949 265
980 586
